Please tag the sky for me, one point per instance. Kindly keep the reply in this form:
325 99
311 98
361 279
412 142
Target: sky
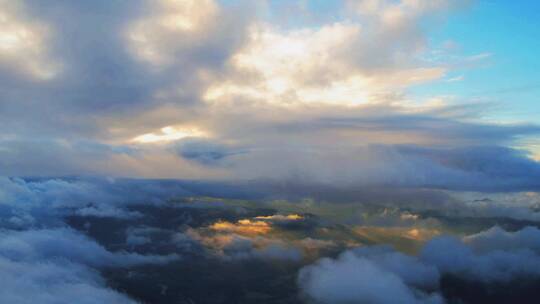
409 92
505 31
269 151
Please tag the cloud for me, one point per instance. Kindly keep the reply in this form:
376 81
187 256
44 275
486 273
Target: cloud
38 202
172 33
43 202
239 247
230 245
499 239
411 270
496 266
476 168
490 256
206 152
518 206
102 75
375 50
244 226
377 274
214 90
280 217
130 232
58 193
43 260
456 79
25 43
59 266
108 212
318 66
355 278
142 235
50 282
66 244
179 32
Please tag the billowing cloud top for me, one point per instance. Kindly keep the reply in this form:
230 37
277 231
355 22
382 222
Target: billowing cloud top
227 90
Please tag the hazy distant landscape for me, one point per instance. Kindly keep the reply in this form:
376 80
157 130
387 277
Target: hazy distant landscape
154 241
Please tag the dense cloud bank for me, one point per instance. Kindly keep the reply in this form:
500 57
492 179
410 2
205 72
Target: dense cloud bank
216 90
382 275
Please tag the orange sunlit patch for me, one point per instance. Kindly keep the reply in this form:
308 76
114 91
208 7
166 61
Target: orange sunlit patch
245 226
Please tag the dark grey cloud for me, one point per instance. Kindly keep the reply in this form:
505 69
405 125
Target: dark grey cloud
464 168
49 198
207 152
430 124
491 168
499 239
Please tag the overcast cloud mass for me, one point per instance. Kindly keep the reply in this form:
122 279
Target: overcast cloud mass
234 151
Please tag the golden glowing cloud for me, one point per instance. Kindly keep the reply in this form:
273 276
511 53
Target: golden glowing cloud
309 66
290 68
167 134
246 227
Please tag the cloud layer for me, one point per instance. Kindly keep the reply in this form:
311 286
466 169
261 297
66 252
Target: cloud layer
380 274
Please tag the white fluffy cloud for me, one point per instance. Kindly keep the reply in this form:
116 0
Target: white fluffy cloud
41 260
51 283
382 275
60 266
348 62
490 256
386 277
